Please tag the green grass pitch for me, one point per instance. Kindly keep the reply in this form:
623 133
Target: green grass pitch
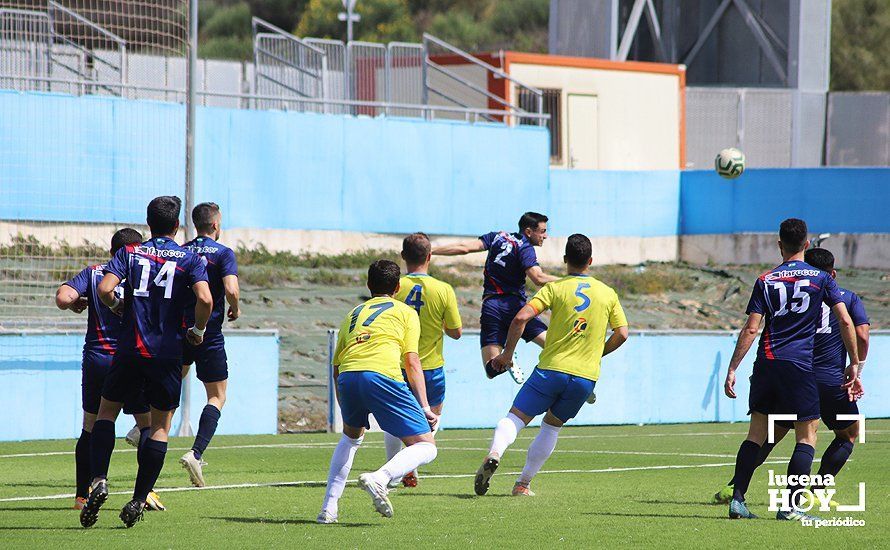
604 486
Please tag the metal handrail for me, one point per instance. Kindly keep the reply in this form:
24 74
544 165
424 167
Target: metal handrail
473 86
87 22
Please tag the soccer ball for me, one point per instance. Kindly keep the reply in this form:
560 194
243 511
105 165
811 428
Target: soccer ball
730 163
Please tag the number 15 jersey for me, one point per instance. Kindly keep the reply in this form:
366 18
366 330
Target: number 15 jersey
159 274
790 298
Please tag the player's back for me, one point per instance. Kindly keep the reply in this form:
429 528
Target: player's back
159 274
509 256
789 297
375 335
103 326
829 353
583 308
436 305
219 261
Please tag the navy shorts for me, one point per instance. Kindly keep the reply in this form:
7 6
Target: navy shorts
833 400
94 370
549 390
159 379
435 385
783 387
390 401
497 314
211 362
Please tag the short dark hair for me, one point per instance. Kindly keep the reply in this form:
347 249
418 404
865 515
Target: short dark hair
530 220
578 250
820 259
204 214
415 248
793 234
123 237
163 214
383 277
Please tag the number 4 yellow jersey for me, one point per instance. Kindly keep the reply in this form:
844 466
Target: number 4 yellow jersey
375 336
582 308
435 303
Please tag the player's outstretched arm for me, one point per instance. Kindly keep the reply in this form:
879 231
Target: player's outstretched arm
203 308
105 290
746 338
618 337
848 334
459 249
537 276
233 296
68 298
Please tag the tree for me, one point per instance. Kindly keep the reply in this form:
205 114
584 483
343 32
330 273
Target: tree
860 42
382 21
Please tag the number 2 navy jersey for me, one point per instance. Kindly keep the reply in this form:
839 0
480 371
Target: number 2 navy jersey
509 255
790 297
103 326
219 261
159 274
829 354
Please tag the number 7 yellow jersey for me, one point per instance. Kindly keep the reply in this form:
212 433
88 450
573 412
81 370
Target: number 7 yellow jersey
436 305
582 309
375 336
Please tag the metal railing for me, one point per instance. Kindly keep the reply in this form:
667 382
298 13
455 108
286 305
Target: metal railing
284 65
25 45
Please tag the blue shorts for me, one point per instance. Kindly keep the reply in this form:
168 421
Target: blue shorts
211 362
783 387
833 400
95 368
160 380
391 402
497 314
435 385
549 390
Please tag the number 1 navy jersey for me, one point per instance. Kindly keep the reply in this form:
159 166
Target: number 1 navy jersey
790 297
509 255
103 326
829 354
219 261
159 274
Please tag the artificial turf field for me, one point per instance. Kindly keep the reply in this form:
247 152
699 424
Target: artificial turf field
604 486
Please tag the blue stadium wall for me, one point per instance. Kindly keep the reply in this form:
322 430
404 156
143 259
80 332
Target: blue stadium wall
40 378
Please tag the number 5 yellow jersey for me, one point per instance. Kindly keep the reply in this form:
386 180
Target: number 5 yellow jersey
435 303
582 309
375 336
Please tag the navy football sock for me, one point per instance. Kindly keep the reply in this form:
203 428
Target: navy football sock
143 435
765 450
835 456
745 463
151 461
101 447
82 464
206 428
800 464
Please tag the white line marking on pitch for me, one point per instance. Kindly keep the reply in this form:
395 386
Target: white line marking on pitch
164 490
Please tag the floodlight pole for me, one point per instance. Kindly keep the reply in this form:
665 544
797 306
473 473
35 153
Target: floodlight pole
185 425
349 16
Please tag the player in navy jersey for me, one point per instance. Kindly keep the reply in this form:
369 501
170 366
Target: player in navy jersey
829 360
210 357
159 278
789 299
103 326
511 257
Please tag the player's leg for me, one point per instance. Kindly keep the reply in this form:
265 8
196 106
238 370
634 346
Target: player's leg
138 407
101 448
92 377
746 462
724 495
833 401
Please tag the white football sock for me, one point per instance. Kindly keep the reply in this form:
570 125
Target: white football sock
505 434
539 451
392 444
406 460
341 463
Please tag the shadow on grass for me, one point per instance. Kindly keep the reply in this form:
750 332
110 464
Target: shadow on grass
682 502
462 496
41 528
36 509
645 515
296 521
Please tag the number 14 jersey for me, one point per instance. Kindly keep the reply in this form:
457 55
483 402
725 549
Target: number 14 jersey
159 274
790 298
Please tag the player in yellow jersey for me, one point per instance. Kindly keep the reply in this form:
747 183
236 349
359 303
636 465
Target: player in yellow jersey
583 308
377 340
436 305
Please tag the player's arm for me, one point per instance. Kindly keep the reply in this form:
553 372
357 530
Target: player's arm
233 296
454 333
452 322
459 249
742 345
538 277
105 290
862 343
203 308
69 298
517 327
618 337
417 383
848 334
